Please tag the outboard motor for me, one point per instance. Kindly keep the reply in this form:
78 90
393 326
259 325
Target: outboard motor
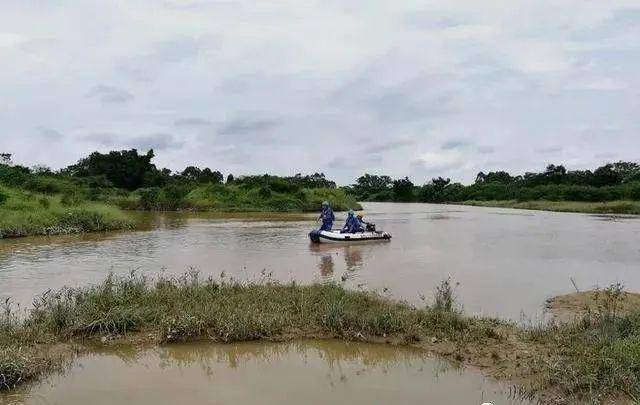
371 227
314 236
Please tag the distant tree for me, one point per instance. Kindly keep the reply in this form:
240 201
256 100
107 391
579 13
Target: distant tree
5 159
629 171
125 169
208 176
434 191
230 178
41 169
607 175
403 190
191 173
494 177
369 185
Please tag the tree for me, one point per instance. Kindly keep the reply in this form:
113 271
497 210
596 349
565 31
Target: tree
230 178
368 185
125 169
403 190
208 176
5 159
494 177
191 173
434 191
607 175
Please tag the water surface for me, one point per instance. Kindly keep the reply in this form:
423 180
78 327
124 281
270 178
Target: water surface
506 261
312 372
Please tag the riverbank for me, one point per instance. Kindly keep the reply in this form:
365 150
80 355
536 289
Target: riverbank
31 214
235 198
27 213
622 207
589 360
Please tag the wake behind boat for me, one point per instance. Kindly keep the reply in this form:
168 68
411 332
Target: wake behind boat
335 236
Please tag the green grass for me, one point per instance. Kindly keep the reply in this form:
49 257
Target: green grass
25 214
590 361
234 198
610 207
187 309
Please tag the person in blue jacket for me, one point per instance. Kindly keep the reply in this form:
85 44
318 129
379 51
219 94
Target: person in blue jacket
327 217
353 224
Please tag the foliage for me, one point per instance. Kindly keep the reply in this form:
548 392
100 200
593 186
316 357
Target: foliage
24 214
596 357
611 182
126 169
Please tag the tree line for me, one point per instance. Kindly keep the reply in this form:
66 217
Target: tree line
105 176
613 181
131 180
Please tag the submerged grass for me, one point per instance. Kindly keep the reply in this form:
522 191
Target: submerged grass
591 360
27 214
609 207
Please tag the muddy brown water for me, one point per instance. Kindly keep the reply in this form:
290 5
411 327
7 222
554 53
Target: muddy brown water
309 372
506 261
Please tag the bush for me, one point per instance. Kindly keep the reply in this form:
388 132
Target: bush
71 198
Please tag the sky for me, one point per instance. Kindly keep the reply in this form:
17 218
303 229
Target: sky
404 88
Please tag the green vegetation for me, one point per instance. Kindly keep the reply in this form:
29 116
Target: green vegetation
23 213
187 309
614 187
89 195
609 207
593 359
597 357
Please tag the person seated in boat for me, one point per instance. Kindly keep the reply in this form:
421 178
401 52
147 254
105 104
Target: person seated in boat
365 226
327 217
353 224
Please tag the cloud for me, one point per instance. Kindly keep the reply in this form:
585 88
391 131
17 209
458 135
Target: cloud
550 149
155 141
49 134
228 85
192 122
453 144
486 150
350 162
388 146
440 161
110 94
243 126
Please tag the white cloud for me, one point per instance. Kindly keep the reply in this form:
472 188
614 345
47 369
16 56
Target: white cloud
389 82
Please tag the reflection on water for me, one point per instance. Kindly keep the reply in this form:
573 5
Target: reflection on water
351 254
497 255
312 372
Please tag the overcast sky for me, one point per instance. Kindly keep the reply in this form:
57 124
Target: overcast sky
417 88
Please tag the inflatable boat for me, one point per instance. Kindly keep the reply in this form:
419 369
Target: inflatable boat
338 237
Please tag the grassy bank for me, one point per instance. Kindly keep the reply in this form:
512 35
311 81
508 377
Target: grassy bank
24 214
587 361
610 207
236 198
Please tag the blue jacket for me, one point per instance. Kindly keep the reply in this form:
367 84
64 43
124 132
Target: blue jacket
327 218
327 215
352 225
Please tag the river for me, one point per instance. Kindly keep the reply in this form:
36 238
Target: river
507 262
307 372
